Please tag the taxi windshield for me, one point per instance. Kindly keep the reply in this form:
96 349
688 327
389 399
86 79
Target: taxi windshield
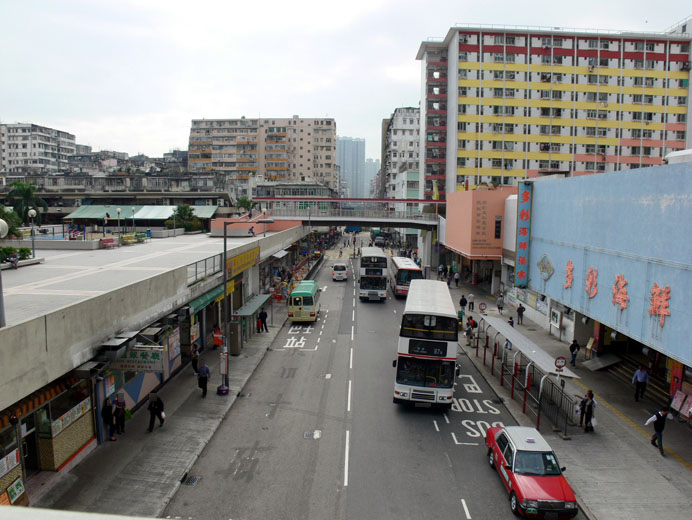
538 463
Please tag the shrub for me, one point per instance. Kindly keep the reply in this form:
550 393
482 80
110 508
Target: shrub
5 252
24 253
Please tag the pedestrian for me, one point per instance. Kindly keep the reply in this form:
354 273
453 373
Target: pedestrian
252 231
263 318
520 314
500 304
119 414
456 278
194 358
203 378
471 298
155 411
587 406
640 379
508 344
449 278
659 420
469 333
440 270
218 337
574 349
462 303
108 419
511 321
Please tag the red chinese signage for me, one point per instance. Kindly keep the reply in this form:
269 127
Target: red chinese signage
523 233
659 302
620 292
592 282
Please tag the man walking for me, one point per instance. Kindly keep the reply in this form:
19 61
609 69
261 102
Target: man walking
640 379
155 411
471 298
574 349
203 378
520 314
659 420
500 304
462 303
263 319
456 278
194 358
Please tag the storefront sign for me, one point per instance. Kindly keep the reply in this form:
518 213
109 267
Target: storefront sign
71 416
524 201
242 262
174 344
9 462
144 359
194 332
15 490
109 385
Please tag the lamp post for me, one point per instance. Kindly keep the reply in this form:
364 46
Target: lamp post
4 228
265 221
118 211
32 215
133 220
224 231
222 389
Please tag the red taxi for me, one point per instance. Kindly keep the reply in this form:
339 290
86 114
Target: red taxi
530 472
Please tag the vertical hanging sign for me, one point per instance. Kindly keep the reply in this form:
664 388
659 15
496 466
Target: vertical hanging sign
524 201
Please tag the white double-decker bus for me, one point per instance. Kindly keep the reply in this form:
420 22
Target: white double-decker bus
401 272
373 274
427 360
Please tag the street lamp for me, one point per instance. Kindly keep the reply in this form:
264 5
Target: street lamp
265 221
133 220
4 228
222 389
32 215
119 211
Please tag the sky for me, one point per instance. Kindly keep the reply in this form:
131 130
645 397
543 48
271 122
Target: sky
130 75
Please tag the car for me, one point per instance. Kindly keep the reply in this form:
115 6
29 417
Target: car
530 472
339 272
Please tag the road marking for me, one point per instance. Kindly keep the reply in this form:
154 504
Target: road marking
317 434
437 428
463 443
446 418
351 332
350 363
321 332
394 311
466 509
348 403
354 292
324 288
354 301
353 315
348 433
318 340
327 376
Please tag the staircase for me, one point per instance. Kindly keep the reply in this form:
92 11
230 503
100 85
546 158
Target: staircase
656 390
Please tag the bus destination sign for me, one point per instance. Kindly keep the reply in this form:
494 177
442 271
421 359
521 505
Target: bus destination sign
417 347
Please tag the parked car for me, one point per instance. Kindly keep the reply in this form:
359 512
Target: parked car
339 272
530 472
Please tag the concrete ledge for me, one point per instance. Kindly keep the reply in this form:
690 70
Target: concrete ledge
23 263
78 245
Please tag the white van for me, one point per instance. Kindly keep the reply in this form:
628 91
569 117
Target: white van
340 272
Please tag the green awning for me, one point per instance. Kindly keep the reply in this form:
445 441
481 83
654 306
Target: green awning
204 211
200 303
253 305
155 213
100 212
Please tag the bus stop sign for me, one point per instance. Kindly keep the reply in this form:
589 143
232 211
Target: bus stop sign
560 363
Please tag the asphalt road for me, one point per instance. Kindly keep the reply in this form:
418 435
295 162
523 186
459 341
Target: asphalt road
317 436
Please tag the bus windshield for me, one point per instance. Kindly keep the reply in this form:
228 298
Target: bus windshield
404 276
373 282
301 300
429 327
425 372
374 261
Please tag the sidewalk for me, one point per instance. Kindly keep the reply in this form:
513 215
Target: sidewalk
138 474
615 472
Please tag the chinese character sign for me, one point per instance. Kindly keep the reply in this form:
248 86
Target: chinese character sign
569 275
592 282
620 292
523 233
659 302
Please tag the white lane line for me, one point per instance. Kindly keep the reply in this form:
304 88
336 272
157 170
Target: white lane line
437 428
394 311
318 340
466 509
327 376
321 332
446 418
353 315
348 434
351 332
348 403
350 363
463 443
354 292
354 301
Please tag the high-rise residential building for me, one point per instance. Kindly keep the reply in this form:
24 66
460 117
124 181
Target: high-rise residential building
82 149
401 140
273 149
372 168
350 152
502 103
26 147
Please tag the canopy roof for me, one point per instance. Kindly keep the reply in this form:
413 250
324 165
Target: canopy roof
100 212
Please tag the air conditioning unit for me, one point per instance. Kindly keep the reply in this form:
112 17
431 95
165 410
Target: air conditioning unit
685 65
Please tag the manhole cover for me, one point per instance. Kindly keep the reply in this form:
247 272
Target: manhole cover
191 480
244 395
534 330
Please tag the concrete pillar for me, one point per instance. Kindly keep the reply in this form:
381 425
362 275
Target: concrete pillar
425 249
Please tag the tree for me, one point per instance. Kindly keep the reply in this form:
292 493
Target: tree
13 222
23 197
245 203
184 217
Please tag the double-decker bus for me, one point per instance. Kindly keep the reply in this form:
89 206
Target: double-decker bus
304 302
427 360
373 274
402 271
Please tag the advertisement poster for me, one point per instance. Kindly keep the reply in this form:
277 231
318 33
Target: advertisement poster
109 385
194 332
174 344
15 490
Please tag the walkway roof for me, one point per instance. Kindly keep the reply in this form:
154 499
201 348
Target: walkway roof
99 212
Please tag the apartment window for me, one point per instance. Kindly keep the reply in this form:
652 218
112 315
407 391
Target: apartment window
557 94
546 41
636 150
638 46
509 92
497 127
463 73
499 39
650 64
545 112
603 97
557 60
554 147
637 116
591 114
554 165
601 166
509 146
545 129
593 44
638 64
509 128
497 92
602 132
543 165
545 60
461 143
637 98
463 91
545 94
603 62
509 40
646 150
498 227
497 163
590 166
602 114
650 47
498 74
638 82
605 44
590 131
682 100
510 74
603 80
682 118
510 58
463 56
648 99
590 148
461 127
680 135
557 42
498 56
461 162
649 82
592 80
591 96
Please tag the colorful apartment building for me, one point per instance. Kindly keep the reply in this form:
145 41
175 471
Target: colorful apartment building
248 150
500 104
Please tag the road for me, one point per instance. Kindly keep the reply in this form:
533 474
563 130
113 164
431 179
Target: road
317 435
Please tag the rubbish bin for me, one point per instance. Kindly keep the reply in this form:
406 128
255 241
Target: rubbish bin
235 343
148 233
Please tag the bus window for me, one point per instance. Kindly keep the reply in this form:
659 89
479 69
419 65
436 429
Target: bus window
429 327
297 301
307 301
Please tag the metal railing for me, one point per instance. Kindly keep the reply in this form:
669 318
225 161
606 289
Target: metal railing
203 269
353 213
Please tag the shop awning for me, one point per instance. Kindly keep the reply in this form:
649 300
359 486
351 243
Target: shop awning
539 357
253 305
92 212
200 303
280 254
155 213
204 211
36 399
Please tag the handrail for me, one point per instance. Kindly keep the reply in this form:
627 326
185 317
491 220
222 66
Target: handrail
202 269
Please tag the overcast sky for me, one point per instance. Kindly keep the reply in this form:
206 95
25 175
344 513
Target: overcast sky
129 75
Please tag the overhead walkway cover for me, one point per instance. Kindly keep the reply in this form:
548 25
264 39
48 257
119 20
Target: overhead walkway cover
280 254
253 305
539 357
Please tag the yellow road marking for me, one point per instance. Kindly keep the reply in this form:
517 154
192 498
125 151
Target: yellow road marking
636 426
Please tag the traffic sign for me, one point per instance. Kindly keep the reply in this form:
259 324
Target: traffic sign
482 307
560 363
